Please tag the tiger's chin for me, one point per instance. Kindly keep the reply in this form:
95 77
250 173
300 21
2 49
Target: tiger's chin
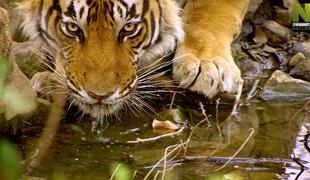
99 110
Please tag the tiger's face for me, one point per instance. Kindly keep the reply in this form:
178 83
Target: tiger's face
98 44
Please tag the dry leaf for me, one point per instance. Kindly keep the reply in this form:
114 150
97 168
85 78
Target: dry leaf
269 49
164 125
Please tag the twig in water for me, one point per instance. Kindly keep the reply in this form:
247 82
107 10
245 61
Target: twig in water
217 120
172 100
203 111
49 133
165 161
237 98
206 119
241 147
166 170
115 170
253 90
222 160
37 151
236 103
175 148
134 174
139 140
218 128
157 173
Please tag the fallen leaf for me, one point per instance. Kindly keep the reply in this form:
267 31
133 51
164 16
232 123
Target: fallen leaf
270 49
164 125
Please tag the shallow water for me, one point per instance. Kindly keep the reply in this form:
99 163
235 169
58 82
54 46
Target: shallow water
278 134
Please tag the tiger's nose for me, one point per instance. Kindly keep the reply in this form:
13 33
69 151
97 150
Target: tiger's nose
99 97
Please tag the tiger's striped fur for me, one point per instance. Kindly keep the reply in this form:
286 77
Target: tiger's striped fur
100 59
99 45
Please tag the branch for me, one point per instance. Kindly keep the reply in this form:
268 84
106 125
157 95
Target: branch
139 140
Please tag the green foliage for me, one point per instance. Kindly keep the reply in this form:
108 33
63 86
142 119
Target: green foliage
9 161
235 175
13 100
121 172
4 66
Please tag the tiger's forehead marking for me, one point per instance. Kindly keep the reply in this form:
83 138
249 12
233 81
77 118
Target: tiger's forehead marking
130 2
111 12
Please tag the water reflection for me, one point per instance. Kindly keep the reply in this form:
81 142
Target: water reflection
296 171
279 130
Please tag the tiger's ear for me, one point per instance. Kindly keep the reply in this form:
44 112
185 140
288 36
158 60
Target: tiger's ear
29 12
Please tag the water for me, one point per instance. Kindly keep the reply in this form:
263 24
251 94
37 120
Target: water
278 134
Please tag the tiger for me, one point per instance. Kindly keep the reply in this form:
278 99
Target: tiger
101 46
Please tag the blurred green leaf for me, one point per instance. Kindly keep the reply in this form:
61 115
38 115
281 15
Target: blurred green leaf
4 68
121 172
9 97
235 175
9 161
13 100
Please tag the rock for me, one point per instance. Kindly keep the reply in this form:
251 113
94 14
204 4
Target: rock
259 37
247 66
15 20
14 86
276 33
297 59
28 57
18 101
289 4
5 36
24 124
18 86
300 67
303 47
282 16
250 69
253 6
15 25
283 88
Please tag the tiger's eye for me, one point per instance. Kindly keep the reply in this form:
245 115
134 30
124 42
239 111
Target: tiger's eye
130 27
72 27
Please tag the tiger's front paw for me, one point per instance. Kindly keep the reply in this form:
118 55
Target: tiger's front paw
207 76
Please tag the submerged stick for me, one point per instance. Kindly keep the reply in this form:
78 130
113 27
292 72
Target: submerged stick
175 148
236 103
223 160
237 98
253 90
139 140
237 152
